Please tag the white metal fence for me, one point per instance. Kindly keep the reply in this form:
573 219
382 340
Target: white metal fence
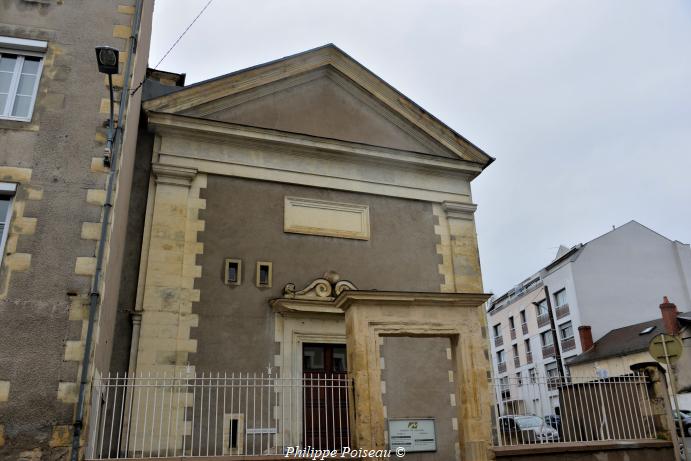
547 409
217 414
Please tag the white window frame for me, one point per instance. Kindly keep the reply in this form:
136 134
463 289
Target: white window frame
561 330
6 190
21 48
556 297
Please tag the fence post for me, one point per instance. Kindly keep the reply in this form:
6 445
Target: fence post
659 401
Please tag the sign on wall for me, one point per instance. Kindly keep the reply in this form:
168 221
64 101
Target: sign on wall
414 435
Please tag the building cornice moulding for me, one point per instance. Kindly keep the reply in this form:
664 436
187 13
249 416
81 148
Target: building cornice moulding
255 153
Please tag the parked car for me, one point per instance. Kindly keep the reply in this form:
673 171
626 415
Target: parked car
685 420
554 421
520 429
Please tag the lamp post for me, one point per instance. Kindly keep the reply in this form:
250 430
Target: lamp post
108 59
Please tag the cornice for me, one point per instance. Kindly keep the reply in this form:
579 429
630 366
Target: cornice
404 298
216 131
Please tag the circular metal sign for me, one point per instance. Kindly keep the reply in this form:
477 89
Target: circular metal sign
668 345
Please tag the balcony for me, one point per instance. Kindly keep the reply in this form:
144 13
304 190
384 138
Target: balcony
562 311
548 351
498 341
528 357
501 367
513 333
542 320
516 362
568 344
524 327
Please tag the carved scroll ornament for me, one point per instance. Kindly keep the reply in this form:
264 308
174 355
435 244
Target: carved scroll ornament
326 288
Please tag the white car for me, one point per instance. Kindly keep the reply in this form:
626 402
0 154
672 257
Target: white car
519 429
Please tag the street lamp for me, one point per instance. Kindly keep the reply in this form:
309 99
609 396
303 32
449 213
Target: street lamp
108 59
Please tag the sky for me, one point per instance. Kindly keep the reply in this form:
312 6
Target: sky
586 105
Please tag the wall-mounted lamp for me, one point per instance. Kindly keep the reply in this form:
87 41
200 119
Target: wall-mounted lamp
108 60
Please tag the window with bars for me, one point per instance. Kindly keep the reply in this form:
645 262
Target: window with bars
20 72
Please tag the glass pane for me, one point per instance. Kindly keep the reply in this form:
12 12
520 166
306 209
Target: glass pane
7 62
3 100
30 65
313 358
5 80
22 104
340 361
26 85
4 206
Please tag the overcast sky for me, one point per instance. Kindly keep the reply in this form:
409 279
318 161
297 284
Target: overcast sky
586 105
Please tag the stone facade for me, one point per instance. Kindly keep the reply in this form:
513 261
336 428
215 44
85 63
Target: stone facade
56 161
308 164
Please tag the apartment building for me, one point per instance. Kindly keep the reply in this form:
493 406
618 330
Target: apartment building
55 212
603 284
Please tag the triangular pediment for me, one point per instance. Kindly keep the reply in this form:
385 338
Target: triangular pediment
322 93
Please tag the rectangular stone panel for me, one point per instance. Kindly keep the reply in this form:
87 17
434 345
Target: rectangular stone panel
322 217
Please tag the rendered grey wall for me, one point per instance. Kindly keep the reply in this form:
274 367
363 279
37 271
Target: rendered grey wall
625 274
416 373
244 219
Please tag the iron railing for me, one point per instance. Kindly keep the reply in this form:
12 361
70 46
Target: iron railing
546 409
151 416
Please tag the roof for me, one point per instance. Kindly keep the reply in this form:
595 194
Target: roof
327 56
563 254
623 341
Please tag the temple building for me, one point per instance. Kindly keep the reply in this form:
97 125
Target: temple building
303 238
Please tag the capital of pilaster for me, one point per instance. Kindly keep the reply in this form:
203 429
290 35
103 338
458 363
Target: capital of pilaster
459 210
173 175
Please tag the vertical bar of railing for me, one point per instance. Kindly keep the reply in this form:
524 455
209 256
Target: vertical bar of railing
194 411
112 415
98 387
230 421
641 385
171 387
131 381
261 413
153 415
272 421
340 416
201 414
105 412
160 417
122 414
246 418
349 389
208 412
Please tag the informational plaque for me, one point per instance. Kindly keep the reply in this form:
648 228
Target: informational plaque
413 435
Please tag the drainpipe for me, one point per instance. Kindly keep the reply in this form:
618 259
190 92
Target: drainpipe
94 295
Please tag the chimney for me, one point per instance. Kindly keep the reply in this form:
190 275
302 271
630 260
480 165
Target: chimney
669 316
586 337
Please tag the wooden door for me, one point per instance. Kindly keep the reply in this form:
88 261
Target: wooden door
325 396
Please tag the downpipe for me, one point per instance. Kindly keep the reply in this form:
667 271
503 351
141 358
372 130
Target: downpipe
94 295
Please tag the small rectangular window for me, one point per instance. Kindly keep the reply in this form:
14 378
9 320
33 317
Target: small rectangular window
566 330
547 338
7 191
233 271
560 297
542 307
264 274
20 72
